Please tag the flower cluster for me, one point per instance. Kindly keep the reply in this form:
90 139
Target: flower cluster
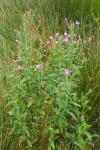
66 37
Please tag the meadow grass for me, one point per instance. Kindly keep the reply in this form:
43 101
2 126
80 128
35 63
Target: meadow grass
46 18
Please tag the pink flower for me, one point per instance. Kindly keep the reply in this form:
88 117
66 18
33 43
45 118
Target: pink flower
66 39
77 22
65 34
38 66
66 72
51 38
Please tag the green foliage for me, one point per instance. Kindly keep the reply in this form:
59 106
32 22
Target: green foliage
44 103
40 106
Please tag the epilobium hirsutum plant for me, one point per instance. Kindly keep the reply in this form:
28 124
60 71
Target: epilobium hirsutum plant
46 110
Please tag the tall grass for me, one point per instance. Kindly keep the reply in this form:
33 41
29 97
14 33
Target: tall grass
48 17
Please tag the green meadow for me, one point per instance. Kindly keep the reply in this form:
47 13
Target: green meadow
49 75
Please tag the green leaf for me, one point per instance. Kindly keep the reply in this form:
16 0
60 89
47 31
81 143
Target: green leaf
29 143
72 115
29 103
75 104
52 144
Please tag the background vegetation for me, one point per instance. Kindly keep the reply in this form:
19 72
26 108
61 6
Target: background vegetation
25 27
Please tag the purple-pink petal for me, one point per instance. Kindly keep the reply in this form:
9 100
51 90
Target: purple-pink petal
65 34
66 72
66 39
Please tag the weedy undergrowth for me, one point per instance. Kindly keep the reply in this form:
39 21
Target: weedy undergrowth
45 108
